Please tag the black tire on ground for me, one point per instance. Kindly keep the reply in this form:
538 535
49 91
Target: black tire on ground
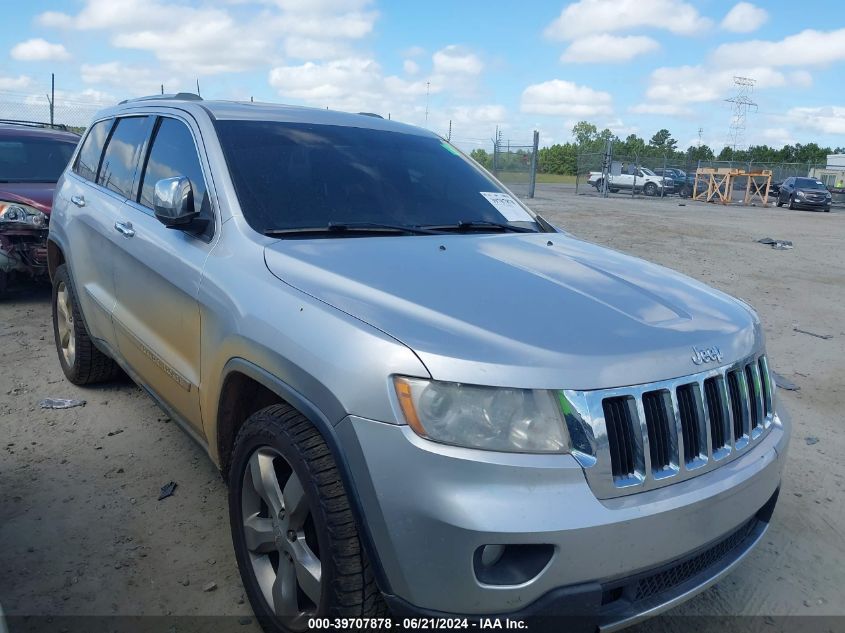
86 364
827 209
779 202
4 280
791 203
686 190
614 190
299 459
598 184
650 189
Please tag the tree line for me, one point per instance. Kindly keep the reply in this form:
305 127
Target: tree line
562 158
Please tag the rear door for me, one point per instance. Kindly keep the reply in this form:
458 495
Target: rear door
158 272
92 198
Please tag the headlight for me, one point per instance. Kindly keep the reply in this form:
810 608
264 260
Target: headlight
22 213
800 194
488 418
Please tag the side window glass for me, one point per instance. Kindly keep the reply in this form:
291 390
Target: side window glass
174 154
88 158
122 152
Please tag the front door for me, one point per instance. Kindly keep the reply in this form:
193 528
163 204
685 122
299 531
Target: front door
157 277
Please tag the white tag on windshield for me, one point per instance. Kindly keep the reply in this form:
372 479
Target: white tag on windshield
507 206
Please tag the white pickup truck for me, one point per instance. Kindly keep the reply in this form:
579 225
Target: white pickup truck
643 179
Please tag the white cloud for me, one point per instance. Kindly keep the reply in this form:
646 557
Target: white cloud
455 59
413 51
131 80
699 84
826 120
608 48
39 50
21 82
564 98
351 80
744 17
777 136
807 48
210 38
587 17
410 67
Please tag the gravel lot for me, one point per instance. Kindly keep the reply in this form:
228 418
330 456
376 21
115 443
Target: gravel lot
83 533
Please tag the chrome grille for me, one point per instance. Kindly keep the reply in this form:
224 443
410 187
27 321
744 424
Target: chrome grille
647 436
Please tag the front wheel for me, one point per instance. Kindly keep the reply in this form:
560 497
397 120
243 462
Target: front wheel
650 189
295 539
791 203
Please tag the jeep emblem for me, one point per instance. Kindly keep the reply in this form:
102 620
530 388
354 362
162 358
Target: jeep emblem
701 355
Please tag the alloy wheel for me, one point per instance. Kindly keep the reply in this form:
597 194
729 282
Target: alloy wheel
281 539
64 320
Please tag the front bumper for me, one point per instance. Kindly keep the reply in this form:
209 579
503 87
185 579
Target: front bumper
801 203
430 507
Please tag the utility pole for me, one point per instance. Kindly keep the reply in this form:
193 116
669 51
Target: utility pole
700 134
741 103
198 88
162 88
449 135
427 91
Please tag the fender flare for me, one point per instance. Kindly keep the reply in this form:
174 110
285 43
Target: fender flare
323 424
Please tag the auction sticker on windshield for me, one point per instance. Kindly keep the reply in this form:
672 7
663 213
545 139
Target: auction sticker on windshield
507 206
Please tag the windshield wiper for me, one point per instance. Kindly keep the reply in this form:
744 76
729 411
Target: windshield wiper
468 225
346 228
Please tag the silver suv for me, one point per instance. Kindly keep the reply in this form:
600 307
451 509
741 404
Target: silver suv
425 399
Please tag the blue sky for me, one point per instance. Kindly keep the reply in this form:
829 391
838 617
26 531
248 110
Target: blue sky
632 65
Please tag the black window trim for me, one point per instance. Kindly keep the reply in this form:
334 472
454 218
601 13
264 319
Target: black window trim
135 201
111 120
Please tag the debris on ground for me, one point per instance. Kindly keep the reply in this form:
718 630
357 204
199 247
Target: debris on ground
784 383
780 245
825 337
113 433
60 403
210 586
167 490
811 440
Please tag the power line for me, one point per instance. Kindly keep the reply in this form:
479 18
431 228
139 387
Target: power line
741 103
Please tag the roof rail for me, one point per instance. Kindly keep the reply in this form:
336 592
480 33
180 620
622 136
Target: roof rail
372 114
56 126
179 96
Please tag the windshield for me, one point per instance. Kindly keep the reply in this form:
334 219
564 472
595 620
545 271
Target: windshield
647 171
300 175
809 183
33 159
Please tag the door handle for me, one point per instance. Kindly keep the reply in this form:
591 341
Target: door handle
79 201
124 228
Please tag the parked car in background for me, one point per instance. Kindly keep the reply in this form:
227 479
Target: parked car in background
804 193
639 179
425 399
32 157
683 182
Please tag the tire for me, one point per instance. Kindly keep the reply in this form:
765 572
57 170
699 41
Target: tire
285 483
779 202
598 184
791 203
827 209
614 190
650 189
81 361
4 281
686 190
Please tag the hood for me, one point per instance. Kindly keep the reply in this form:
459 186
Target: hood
539 311
35 194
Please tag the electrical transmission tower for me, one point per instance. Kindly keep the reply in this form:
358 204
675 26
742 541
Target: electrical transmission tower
741 103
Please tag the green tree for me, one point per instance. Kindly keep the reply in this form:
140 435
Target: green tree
482 157
585 133
663 140
703 152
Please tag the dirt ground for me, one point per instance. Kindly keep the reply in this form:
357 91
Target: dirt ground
82 532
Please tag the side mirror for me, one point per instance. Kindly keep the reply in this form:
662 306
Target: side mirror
173 202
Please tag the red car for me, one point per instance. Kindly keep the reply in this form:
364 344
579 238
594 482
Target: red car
32 157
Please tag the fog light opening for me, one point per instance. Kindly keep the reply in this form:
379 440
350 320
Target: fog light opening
491 554
499 565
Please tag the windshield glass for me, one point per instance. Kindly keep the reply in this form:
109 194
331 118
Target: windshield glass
809 183
300 175
32 159
647 171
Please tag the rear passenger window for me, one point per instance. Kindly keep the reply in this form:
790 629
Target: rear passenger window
118 170
174 154
88 158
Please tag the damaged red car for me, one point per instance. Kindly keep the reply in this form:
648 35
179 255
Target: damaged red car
32 157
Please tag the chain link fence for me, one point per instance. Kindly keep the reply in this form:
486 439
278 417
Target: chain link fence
71 113
516 165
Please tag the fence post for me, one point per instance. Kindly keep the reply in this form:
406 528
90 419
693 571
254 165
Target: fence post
663 188
52 97
532 177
